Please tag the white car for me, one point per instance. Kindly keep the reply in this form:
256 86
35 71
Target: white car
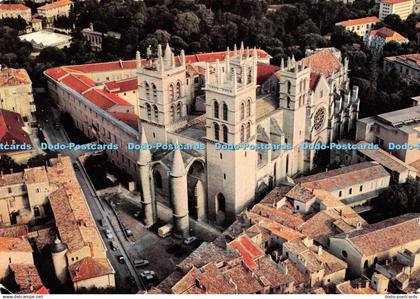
148 275
108 234
190 240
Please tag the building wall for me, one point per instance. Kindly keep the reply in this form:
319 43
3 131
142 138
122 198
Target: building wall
360 29
50 14
8 13
18 99
106 281
13 257
403 9
403 69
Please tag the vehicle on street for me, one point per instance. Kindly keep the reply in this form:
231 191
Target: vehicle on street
120 259
140 263
108 234
165 231
137 214
129 233
114 245
190 240
148 275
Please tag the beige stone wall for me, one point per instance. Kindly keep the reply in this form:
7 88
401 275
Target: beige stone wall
18 99
13 257
8 13
106 281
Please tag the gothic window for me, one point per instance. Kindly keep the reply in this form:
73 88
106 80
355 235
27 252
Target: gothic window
304 84
156 110
179 109
149 111
287 164
300 85
242 111
249 75
173 113
242 133
319 119
248 108
289 87
147 88
288 102
171 93
216 131
221 202
225 111
178 90
248 130
37 213
216 109
225 134
154 92
158 179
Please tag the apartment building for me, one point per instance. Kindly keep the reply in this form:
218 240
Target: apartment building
406 65
403 8
51 11
15 11
361 26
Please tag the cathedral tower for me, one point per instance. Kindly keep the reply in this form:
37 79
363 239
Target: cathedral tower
162 100
230 90
294 86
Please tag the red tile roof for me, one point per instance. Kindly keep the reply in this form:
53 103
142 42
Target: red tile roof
323 62
264 71
13 7
247 250
78 83
15 244
313 80
42 291
11 128
394 1
361 21
88 268
122 85
55 4
388 35
14 77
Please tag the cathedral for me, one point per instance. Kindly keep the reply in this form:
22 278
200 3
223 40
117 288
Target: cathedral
306 102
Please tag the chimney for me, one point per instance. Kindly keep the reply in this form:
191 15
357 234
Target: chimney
11 170
320 250
367 284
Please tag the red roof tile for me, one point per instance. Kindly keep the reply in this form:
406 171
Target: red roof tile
88 268
247 250
264 71
360 21
78 83
11 128
388 35
122 86
55 4
13 7
323 62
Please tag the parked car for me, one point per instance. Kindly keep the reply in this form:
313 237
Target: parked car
100 222
108 234
190 240
128 232
120 259
140 263
165 230
147 275
137 214
114 245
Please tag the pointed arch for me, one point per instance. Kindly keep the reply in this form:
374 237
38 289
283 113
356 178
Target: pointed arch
242 133
225 134
216 129
149 111
173 116
221 202
248 130
156 111
242 110
171 92
179 109
157 177
147 89
225 111
216 109
178 90
248 107
154 90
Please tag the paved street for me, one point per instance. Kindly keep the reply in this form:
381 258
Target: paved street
99 211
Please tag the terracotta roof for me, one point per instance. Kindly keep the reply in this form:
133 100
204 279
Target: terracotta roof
122 85
11 128
301 194
395 232
356 288
26 277
88 268
243 279
14 77
42 291
259 212
33 21
13 7
414 58
394 1
360 21
275 195
268 271
264 71
78 83
416 165
313 80
323 62
388 35
71 213
15 244
247 250
14 231
103 99
55 4
386 159
344 177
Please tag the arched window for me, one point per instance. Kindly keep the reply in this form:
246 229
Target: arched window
171 93
154 92
287 164
300 85
147 89
242 111
248 130
179 110
216 131
149 111
288 102
37 213
178 90
156 110
216 109
304 85
289 87
248 107
158 179
249 75
242 133
225 111
225 134
221 202
172 112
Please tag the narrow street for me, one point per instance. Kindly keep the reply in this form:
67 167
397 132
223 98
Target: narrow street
99 211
